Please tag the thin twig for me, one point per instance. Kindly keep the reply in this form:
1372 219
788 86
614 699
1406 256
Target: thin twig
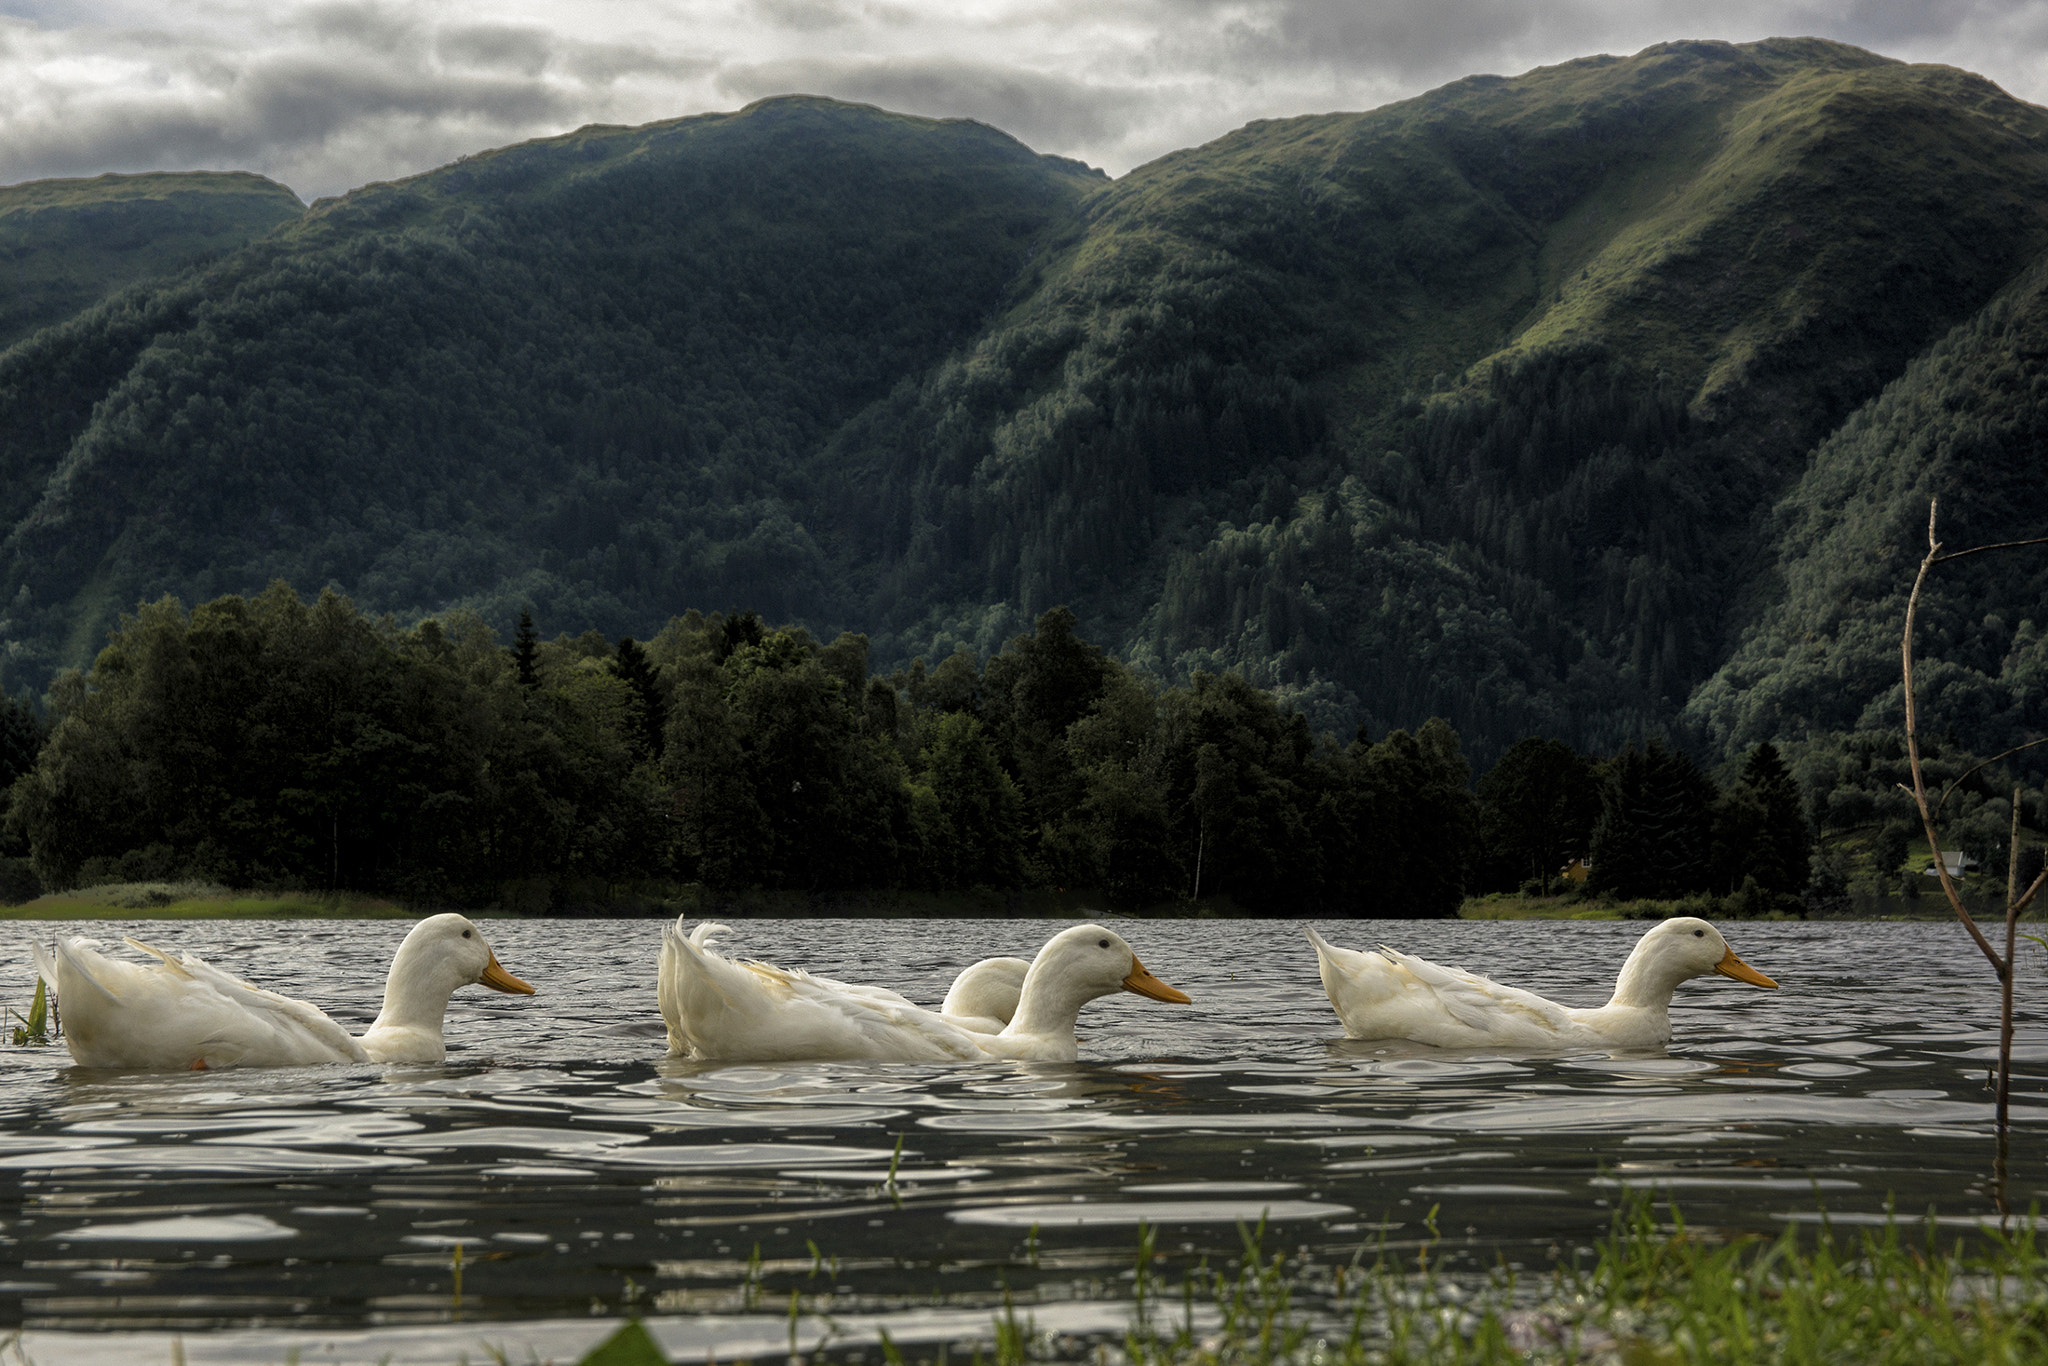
1980 549
1954 783
1919 788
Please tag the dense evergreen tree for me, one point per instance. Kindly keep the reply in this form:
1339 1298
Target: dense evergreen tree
1655 834
780 780
1761 831
633 667
525 647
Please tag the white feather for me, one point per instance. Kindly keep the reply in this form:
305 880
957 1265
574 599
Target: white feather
717 1007
182 1013
1390 995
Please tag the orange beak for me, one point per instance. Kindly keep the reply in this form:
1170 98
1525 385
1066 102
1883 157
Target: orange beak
1731 966
497 979
1145 984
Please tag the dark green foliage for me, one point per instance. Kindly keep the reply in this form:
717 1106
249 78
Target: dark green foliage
67 244
780 779
1423 828
1474 406
1893 843
267 741
1214 790
1655 835
968 813
1537 810
1761 833
631 1345
633 666
525 650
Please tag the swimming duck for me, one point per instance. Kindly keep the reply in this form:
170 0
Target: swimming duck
180 1013
1390 995
718 1008
985 994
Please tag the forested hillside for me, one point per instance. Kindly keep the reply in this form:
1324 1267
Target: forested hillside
1479 406
583 374
1819 668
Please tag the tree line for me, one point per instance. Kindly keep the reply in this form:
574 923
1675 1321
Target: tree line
268 741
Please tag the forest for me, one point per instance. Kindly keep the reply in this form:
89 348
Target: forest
276 742
1601 404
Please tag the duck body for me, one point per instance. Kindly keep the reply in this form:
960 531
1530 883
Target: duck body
1391 995
180 1013
720 1008
984 996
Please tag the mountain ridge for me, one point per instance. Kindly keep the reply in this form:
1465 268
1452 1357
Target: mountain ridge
1476 405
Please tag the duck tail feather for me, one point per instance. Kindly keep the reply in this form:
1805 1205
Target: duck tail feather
74 959
46 966
175 965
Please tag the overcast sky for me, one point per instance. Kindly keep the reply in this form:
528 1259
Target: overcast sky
326 96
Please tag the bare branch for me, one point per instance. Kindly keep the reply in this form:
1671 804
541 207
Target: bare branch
1948 885
2019 907
1980 549
1946 792
2012 863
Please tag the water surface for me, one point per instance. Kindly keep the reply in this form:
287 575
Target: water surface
584 1175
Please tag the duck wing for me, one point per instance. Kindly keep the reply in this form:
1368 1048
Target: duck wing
717 1007
1494 1014
1394 995
182 1013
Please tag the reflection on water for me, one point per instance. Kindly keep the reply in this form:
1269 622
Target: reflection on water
580 1172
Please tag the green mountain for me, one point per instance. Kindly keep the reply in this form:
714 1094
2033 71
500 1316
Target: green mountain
1480 405
67 244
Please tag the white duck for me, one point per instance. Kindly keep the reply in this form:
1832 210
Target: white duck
182 1014
751 1012
1389 995
984 996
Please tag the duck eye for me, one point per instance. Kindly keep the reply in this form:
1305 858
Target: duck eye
465 934
1102 943
1699 934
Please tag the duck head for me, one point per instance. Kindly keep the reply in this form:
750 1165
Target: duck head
1076 966
443 952
1676 951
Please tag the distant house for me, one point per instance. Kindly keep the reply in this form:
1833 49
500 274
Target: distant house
1956 861
1576 870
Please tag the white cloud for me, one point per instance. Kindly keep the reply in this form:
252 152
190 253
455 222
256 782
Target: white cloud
326 96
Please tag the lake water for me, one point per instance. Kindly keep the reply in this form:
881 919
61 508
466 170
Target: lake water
254 1215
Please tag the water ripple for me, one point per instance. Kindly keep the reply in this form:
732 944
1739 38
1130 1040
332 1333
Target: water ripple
575 1166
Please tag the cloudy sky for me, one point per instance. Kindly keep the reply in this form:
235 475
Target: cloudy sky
325 96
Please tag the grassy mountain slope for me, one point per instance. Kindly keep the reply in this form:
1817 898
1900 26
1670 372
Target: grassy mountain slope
1473 405
67 244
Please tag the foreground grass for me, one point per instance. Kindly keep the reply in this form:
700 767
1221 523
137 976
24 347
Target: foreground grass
1657 1294
198 901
